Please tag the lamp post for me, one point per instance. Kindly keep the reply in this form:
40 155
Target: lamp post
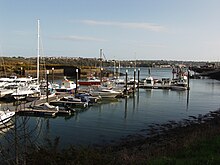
138 77
134 80
52 75
114 69
126 81
47 84
101 74
76 90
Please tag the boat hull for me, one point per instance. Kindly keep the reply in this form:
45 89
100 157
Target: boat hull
89 83
5 117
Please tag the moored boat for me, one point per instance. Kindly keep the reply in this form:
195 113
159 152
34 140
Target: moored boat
90 81
5 117
104 92
6 93
149 82
67 86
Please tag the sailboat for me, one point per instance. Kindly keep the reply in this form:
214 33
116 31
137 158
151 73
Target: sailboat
31 91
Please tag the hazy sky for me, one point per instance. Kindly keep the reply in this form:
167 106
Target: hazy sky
124 29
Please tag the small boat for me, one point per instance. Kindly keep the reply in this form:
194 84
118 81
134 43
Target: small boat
6 93
75 99
35 94
67 86
70 102
149 82
86 97
23 92
81 97
44 109
179 83
5 117
90 81
104 92
4 81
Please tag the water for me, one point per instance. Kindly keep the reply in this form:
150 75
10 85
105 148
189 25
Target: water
113 120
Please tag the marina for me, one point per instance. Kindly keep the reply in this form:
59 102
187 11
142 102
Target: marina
109 82
110 120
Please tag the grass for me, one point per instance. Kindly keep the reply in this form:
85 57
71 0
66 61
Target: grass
202 152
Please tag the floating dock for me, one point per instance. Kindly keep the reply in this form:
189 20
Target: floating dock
31 108
38 112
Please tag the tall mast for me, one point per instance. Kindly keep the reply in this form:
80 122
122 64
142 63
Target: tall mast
119 68
100 58
38 50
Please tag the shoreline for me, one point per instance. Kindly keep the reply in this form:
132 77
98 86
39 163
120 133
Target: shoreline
164 141
169 138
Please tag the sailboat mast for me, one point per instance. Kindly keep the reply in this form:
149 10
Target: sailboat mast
119 69
38 50
100 58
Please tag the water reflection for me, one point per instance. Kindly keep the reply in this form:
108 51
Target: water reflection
126 107
19 137
187 100
149 93
138 94
165 92
134 101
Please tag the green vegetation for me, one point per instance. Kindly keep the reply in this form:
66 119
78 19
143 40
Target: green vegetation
20 65
201 152
192 142
205 151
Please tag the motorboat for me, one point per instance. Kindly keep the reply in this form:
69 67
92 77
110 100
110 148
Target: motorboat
6 93
45 106
89 81
180 83
67 86
23 92
4 81
104 92
36 93
44 109
5 117
149 82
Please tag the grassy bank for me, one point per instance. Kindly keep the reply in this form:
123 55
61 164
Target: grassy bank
206 151
193 141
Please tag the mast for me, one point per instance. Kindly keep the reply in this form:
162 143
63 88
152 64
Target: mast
101 65
38 50
100 58
119 69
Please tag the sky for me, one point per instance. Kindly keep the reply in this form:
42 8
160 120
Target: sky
186 30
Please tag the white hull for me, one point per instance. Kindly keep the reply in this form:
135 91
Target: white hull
105 93
4 93
5 117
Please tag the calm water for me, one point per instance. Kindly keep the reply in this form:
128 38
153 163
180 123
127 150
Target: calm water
114 120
